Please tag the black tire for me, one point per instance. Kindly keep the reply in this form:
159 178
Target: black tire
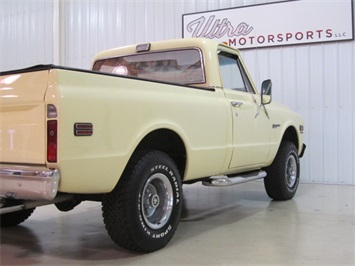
282 178
136 215
15 218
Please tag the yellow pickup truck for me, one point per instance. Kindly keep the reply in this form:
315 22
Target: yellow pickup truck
128 133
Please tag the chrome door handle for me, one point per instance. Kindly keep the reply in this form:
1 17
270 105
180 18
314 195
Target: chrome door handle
236 104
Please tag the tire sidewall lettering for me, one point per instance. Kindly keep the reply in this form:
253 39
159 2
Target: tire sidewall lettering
165 230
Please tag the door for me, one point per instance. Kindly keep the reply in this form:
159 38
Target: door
251 126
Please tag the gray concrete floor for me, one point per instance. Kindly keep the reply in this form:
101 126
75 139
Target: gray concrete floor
220 226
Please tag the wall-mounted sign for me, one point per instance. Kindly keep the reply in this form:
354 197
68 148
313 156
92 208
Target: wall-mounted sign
282 23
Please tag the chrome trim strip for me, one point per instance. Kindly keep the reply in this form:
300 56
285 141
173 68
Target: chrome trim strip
28 182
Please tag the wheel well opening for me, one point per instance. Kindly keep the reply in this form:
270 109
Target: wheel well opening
169 142
291 135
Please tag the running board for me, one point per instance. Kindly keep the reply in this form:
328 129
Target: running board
224 181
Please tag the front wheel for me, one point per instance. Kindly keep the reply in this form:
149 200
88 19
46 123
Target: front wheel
282 178
143 211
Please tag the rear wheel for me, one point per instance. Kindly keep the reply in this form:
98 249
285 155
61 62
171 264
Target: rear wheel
143 211
282 178
14 218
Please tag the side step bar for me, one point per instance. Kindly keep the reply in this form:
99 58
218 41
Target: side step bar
224 181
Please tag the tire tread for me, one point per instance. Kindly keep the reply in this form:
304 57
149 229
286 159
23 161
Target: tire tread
115 205
274 182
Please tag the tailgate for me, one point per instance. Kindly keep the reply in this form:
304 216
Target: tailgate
22 117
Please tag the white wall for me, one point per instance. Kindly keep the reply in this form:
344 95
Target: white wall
25 33
315 80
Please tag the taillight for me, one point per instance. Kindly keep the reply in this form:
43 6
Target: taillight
52 127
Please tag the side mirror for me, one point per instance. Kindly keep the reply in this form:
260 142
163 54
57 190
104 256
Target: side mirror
266 91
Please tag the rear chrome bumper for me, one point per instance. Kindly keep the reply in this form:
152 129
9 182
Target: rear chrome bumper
28 182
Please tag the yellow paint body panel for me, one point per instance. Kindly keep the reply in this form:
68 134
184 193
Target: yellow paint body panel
123 111
22 117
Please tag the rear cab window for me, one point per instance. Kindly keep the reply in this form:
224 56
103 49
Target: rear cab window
176 66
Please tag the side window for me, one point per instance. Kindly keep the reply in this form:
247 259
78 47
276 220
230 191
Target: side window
233 76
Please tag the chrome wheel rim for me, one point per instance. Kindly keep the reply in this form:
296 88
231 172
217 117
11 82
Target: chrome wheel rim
157 201
291 171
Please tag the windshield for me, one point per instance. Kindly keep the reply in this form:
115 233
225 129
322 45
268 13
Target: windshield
180 66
